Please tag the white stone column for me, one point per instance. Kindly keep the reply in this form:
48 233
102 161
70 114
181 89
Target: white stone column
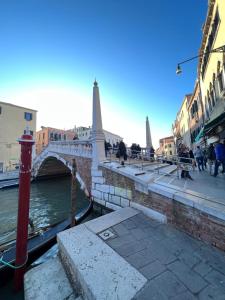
98 138
148 136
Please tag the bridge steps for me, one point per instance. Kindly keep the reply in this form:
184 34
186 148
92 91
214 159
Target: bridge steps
49 281
86 266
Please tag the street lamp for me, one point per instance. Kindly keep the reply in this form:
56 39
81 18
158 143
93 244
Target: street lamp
220 49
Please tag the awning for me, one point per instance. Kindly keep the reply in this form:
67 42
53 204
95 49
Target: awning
214 123
200 135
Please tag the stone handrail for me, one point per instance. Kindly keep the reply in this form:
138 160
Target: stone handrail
77 148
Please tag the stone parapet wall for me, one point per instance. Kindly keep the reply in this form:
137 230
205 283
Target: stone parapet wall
114 190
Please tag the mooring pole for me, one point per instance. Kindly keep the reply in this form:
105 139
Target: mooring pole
26 142
73 193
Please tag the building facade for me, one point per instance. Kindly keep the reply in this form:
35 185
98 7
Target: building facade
167 146
211 71
48 134
196 115
181 129
84 133
13 122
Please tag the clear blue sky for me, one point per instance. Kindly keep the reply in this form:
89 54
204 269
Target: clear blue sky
51 51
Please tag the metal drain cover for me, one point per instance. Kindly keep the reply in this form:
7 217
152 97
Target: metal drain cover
107 234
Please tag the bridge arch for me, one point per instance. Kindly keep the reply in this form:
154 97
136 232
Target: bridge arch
55 165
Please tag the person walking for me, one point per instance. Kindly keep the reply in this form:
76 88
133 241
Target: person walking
183 155
191 155
199 158
122 152
211 156
220 157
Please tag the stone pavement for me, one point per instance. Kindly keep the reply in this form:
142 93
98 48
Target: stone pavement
175 265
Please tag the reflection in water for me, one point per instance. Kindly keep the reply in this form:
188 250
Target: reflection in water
49 204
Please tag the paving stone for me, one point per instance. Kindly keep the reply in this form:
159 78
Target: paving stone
185 296
151 292
139 233
202 269
192 280
120 229
162 253
152 269
189 260
129 224
216 278
168 284
120 241
212 292
140 259
131 248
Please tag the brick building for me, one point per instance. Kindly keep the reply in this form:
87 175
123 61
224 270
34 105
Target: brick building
47 134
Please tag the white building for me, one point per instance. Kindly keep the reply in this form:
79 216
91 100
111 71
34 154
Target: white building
84 133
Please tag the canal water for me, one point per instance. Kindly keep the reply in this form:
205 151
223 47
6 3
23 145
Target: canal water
49 204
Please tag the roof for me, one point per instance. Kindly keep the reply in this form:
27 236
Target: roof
10 104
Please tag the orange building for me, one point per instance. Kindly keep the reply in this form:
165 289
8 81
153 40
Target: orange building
166 146
48 134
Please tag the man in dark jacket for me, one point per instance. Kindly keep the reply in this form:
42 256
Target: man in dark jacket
220 158
122 152
211 156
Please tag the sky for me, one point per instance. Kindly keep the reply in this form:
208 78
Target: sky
51 51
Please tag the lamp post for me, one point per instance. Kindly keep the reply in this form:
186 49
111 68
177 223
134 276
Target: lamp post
220 49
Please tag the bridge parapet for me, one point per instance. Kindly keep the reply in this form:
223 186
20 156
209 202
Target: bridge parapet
76 148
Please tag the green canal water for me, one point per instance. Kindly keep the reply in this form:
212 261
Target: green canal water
49 204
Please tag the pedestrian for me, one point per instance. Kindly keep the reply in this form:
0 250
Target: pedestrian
185 159
191 155
122 152
220 157
199 158
211 157
106 148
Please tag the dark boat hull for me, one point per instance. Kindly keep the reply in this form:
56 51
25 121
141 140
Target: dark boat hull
38 244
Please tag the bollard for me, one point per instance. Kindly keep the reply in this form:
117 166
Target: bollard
26 142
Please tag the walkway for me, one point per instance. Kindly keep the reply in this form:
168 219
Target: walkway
126 255
176 265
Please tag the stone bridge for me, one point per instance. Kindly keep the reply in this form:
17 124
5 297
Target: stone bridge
56 160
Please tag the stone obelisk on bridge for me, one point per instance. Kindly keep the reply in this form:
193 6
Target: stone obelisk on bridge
98 138
148 135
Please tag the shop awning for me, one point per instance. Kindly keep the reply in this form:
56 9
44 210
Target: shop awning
200 135
214 123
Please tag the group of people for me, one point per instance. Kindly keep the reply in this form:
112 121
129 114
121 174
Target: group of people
213 156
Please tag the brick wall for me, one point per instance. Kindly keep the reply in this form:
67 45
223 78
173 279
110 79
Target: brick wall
119 190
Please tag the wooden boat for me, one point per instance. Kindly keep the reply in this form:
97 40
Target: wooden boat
40 241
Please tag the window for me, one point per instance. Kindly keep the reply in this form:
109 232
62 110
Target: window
170 152
64 137
211 39
28 116
221 83
0 110
31 133
212 98
51 136
43 136
59 136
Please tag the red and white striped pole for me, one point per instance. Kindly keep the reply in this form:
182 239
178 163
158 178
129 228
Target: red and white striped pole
26 142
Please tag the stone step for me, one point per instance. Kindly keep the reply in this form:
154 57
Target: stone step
167 170
95 269
48 281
